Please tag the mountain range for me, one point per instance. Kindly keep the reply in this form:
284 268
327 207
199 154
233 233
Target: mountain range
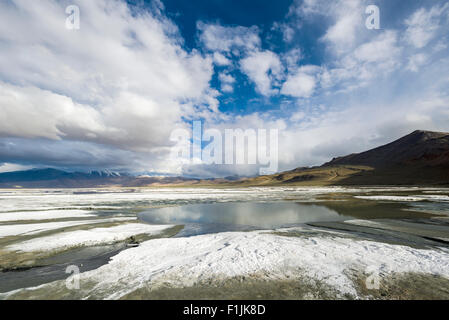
420 158
53 178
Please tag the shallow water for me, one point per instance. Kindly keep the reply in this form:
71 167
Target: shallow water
85 259
238 216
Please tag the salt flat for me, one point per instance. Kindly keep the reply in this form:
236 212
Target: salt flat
44 215
212 249
90 237
184 262
35 228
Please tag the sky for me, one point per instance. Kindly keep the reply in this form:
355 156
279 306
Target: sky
110 94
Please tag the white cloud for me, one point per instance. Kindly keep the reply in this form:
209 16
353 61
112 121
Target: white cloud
224 39
382 48
10 167
224 77
297 116
422 26
227 88
263 68
301 84
122 80
342 34
288 32
221 60
292 58
345 19
227 82
371 60
416 61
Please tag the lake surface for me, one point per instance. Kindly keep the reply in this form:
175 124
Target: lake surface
238 216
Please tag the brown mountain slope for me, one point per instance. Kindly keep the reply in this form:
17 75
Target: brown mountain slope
420 158
424 148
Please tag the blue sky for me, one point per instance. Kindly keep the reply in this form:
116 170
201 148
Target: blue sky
108 96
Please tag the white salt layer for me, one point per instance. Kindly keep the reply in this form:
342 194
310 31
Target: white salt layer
44 215
95 236
414 198
183 262
36 228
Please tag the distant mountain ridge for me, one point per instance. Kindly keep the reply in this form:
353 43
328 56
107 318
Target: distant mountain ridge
420 158
418 148
54 178
51 174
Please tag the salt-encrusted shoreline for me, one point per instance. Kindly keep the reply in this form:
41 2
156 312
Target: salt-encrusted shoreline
36 228
184 262
44 215
91 237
